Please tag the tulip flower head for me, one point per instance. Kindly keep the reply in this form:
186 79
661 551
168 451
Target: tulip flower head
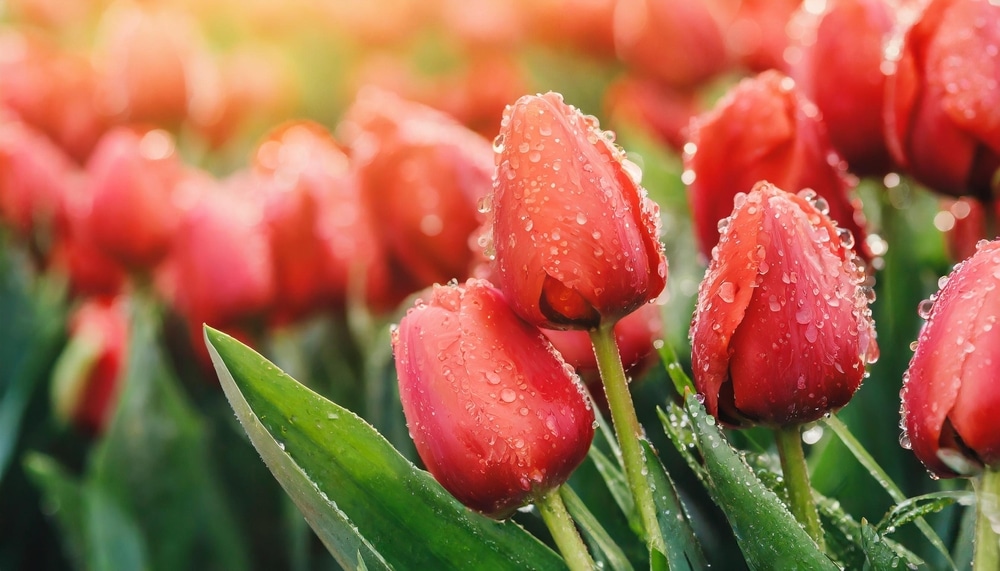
950 395
575 237
942 111
782 329
497 416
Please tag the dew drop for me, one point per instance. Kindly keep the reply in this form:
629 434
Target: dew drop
508 395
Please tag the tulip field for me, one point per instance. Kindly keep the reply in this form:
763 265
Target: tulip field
500 284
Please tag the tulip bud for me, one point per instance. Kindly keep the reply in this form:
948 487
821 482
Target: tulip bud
131 178
424 174
763 129
35 176
838 64
576 237
679 43
950 394
496 414
319 231
942 109
782 330
87 375
219 270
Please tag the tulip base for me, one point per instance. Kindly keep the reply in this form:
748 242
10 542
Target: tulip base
987 555
793 466
628 431
564 531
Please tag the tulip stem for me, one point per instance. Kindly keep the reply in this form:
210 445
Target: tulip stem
627 430
793 466
564 532
987 557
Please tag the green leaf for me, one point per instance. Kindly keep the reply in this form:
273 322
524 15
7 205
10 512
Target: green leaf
605 551
883 479
114 539
683 550
766 532
153 466
913 509
357 492
62 496
883 555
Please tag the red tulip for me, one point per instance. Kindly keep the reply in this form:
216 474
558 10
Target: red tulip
148 57
496 415
677 42
219 270
35 177
763 129
782 329
950 394
54 91
661 110
839 67
756 31
423 174
320 234
943 105
132 211
576 237
89 373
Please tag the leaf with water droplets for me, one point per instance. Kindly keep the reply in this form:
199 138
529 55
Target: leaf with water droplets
766 532
354 489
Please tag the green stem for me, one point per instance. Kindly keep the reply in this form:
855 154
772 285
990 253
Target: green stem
628 431
793 467
564 532
987 556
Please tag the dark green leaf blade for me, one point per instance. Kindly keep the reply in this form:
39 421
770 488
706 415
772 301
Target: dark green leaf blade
356 491
683 550
605 551
766 532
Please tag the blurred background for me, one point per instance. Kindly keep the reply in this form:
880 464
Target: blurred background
292 173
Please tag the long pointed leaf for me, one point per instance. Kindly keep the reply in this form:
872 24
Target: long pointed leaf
358 493
766 532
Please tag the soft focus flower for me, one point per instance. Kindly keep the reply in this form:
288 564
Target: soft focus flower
576 237
321 238
585 26
54 91
132 214
950 394
677 42
965 221
663 111
35 178
219 270
839 68
756 31
782 330
943 105
496 414
88 375
636 334
148 55
422 174
763 129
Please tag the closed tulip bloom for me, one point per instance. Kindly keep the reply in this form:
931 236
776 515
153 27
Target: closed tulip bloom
219 270
36 177
782 330
132 213
950 394
88 375
576 238
764 129
839 66
496 415
943 107
424 175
